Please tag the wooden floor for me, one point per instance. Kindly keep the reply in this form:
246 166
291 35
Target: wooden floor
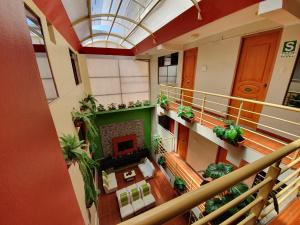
289 216
265 142
109 213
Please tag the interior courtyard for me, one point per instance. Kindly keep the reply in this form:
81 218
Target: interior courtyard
147 112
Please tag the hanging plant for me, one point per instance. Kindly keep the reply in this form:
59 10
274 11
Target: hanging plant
73 152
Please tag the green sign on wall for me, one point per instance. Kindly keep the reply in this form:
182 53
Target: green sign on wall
289 48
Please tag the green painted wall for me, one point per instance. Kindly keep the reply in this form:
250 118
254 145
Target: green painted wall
123 115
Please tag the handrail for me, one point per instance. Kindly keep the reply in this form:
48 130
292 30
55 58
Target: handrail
235 98
187 201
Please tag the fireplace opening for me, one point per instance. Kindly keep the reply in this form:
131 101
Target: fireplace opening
125 145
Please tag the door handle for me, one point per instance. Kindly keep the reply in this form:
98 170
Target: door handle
265 85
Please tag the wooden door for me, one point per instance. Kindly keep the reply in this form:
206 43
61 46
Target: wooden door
182 141
188 73
254 73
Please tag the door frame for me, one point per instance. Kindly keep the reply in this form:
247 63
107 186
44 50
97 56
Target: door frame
279 30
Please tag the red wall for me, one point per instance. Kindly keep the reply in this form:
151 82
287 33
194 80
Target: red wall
35 187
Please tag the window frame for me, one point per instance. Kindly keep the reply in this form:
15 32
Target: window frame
75 67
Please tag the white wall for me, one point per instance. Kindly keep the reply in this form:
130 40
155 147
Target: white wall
216 64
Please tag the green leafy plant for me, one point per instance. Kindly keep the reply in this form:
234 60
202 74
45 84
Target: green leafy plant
88 104
131 104
146 103
138 103
101 108
161 161
185 111
179 184
157 140
217 170
295 101
73 150
228 123
163 101
122 106
112 106
92 133
232 134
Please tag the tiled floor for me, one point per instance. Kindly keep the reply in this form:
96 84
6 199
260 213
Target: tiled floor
108 206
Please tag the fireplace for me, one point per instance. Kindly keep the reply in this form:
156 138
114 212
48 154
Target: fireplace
124 145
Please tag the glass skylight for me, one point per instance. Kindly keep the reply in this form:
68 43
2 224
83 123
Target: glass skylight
121 23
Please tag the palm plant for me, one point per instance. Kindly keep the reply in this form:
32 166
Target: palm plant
88 104
73 150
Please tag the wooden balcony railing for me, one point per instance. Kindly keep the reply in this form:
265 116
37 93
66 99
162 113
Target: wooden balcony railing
251 213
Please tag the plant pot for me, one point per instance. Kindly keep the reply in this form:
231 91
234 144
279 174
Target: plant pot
189 120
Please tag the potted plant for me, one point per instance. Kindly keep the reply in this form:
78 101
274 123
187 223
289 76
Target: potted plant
215 203
233 134
146 103
217 170
88 104
162 161
91 130
122 106
138 103
101 108
72 150
179 185
163 101
112 106
186 113
70 147
131 104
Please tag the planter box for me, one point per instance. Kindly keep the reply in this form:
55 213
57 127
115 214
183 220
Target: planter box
189 120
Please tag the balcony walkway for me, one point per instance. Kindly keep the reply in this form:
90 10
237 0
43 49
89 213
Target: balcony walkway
290 215
263 147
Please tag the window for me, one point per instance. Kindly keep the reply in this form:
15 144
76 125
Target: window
292 97
118 79
167 69
75 67
38 42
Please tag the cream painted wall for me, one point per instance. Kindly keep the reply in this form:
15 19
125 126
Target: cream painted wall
69 95
201 151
